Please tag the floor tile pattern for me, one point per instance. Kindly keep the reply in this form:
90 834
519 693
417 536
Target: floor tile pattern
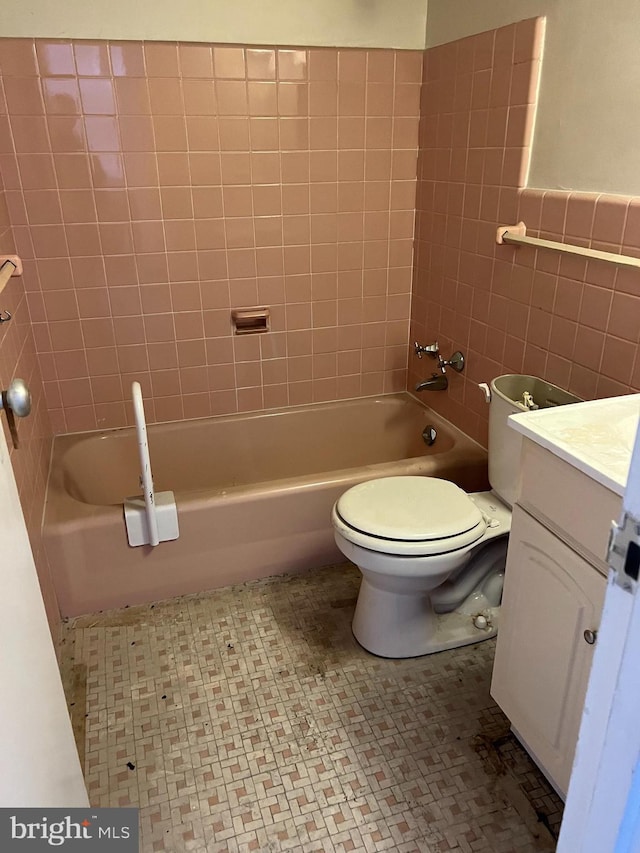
249 719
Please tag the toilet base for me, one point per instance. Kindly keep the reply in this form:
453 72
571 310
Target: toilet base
391 625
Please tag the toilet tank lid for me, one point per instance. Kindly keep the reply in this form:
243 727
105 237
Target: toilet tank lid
409 508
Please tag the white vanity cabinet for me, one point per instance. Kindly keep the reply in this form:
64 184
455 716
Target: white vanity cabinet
554 589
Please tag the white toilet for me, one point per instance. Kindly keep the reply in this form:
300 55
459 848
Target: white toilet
432 557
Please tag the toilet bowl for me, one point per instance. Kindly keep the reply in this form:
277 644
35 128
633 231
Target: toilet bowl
432 557
408 535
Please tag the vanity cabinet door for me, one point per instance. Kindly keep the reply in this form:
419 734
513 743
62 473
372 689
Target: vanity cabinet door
551 597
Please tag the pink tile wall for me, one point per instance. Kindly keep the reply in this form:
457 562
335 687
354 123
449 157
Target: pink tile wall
572 322
157 186
31 461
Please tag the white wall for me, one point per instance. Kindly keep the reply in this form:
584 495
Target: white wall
38 755
588 127
357 23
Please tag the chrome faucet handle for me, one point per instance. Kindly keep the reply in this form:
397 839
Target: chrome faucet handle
456 361
431 349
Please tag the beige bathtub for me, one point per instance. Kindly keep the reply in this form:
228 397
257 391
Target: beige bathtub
254 494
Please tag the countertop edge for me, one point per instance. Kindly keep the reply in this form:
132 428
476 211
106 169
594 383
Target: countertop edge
563 452
575 433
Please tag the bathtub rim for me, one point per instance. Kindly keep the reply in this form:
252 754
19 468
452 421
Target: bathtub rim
406 396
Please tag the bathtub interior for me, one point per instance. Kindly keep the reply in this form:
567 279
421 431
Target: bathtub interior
230 451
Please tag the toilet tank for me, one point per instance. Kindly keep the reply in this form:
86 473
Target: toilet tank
507 393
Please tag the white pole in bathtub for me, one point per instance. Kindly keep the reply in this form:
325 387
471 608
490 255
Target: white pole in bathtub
152 518
145 464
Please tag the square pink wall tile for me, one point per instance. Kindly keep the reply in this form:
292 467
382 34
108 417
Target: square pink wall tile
563 310
334 136
18 58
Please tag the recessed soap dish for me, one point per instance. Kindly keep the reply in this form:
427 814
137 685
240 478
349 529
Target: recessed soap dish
249 321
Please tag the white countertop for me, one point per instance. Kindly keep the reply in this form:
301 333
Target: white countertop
596 436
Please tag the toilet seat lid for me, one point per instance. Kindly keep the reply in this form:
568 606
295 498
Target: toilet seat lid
410 509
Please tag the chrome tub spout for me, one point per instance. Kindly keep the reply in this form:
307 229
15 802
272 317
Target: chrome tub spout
438 382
